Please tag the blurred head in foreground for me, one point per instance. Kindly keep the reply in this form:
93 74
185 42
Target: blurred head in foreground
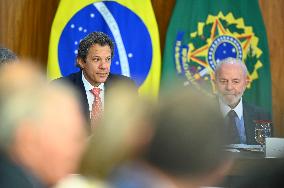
186 148
7 56
42 127
188 143
122 134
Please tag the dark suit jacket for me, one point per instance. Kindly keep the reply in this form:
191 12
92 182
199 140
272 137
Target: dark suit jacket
75 80
14 176
250 114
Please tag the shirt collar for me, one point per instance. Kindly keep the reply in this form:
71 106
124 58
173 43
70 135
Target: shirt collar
88 86
225 109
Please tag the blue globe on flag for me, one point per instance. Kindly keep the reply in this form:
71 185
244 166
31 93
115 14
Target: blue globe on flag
132 59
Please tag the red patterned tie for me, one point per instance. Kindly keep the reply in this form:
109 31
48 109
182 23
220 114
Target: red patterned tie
96 106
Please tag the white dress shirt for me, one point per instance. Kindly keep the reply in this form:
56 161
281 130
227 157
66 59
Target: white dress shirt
225 109
88 86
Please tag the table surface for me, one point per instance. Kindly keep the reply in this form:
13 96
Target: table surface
246 160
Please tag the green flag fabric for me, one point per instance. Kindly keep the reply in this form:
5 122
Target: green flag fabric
203 32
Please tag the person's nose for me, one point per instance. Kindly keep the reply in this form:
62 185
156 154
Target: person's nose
229 86
103 64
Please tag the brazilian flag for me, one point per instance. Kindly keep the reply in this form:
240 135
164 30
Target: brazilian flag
203 32
130 23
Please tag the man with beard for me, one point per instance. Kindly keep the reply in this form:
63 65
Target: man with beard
231 80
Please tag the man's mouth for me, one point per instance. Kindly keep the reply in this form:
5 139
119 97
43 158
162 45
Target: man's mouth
230 94
102 74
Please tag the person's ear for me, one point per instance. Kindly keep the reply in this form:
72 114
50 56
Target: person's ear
214 79
80 62
248 80
215 85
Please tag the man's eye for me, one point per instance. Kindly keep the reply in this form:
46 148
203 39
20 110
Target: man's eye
236 81
96 59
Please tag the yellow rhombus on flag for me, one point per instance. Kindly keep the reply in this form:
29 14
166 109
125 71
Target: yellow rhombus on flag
130 23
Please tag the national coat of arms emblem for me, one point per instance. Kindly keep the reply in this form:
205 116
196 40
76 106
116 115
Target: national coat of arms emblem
219 37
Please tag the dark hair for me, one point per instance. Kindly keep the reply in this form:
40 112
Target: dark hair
7 55
188 140
92 39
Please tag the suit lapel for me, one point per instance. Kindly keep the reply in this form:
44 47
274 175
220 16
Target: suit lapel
79 83
249 118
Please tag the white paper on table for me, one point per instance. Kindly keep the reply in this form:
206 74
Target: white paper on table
274 147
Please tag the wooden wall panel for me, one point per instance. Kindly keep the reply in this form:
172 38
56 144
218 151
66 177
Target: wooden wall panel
163 11
25 27
273 16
